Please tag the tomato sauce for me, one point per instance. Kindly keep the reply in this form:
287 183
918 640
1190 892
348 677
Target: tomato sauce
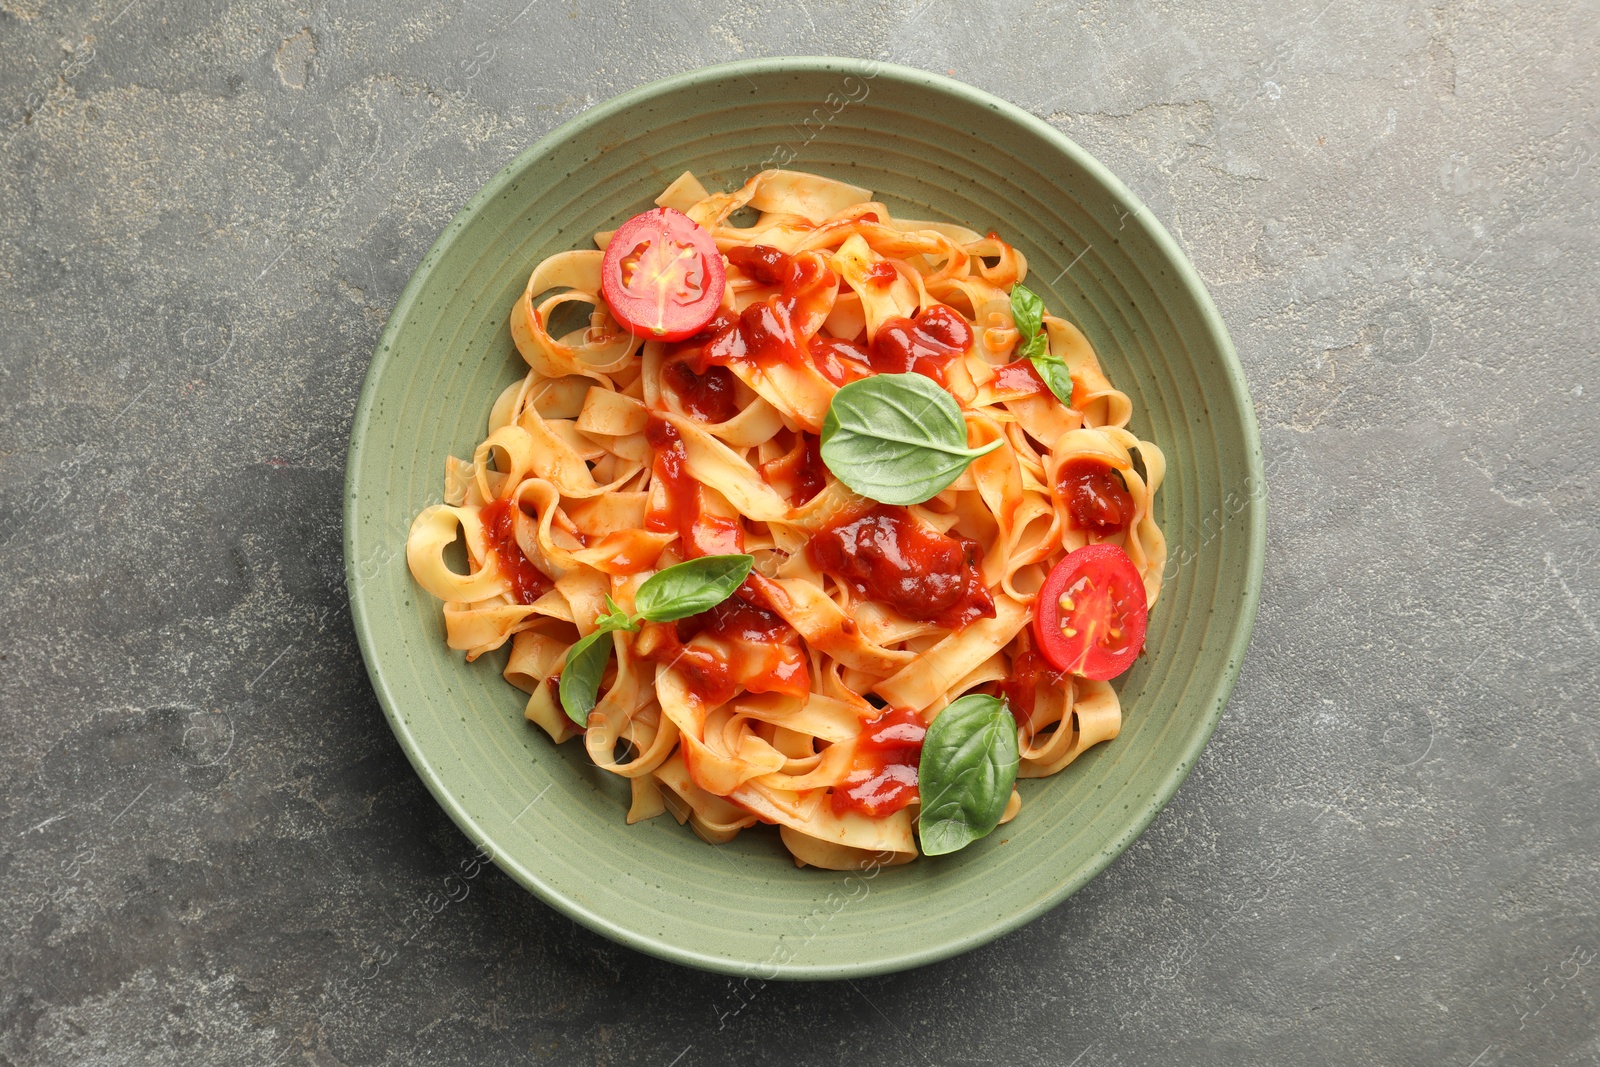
779 328
798 473
925 344
1097 498
700 533
692 345
887 555
1019 378
761 263
811 478
883 772
705 672
626 551
691 350
528 583
737 644
1028 669
709 397
882 274
841 362
738 619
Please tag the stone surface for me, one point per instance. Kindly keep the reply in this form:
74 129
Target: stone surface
1387 855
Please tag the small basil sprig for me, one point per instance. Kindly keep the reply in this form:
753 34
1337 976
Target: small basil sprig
681 590
968 766
897 438
586 664
1027 312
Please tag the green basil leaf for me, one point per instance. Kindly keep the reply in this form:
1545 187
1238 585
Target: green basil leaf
1038 347
897 438
1027 311
616 619
586 663
968 766
691 587
1053 369
580 676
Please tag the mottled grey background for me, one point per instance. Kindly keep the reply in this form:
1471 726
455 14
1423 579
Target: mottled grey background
1387 855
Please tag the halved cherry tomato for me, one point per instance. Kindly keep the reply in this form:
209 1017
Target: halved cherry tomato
662 275
1090 616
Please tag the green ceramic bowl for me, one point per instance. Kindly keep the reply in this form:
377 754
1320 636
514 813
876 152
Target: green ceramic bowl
931 148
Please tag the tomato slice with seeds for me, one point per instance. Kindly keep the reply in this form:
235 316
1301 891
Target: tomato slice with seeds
1091 614
662 275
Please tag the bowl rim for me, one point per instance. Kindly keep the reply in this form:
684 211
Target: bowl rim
1235 648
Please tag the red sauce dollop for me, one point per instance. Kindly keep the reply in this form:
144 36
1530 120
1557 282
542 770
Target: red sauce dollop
777 329
705 672
738 619
841 362
882 273
811 478
709 397
1097 498
736 644
925 344
692 349
761 263
883 774
701 534
887 555
528 583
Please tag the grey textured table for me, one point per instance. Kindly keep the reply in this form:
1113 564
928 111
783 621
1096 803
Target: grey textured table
1388 853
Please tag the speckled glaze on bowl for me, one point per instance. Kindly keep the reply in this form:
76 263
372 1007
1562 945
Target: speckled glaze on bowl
931 148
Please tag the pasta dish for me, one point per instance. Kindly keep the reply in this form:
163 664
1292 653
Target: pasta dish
804 515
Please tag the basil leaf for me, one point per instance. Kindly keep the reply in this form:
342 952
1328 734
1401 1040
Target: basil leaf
968 766
685 589
617 619
1039 348
1027 314
586 663
1138 464
691 587
1054 371
580 676
1027 311
897 438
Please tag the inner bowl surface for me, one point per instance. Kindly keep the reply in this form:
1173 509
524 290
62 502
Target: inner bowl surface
931 148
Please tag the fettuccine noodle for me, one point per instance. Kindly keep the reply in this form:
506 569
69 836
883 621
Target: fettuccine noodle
615 457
